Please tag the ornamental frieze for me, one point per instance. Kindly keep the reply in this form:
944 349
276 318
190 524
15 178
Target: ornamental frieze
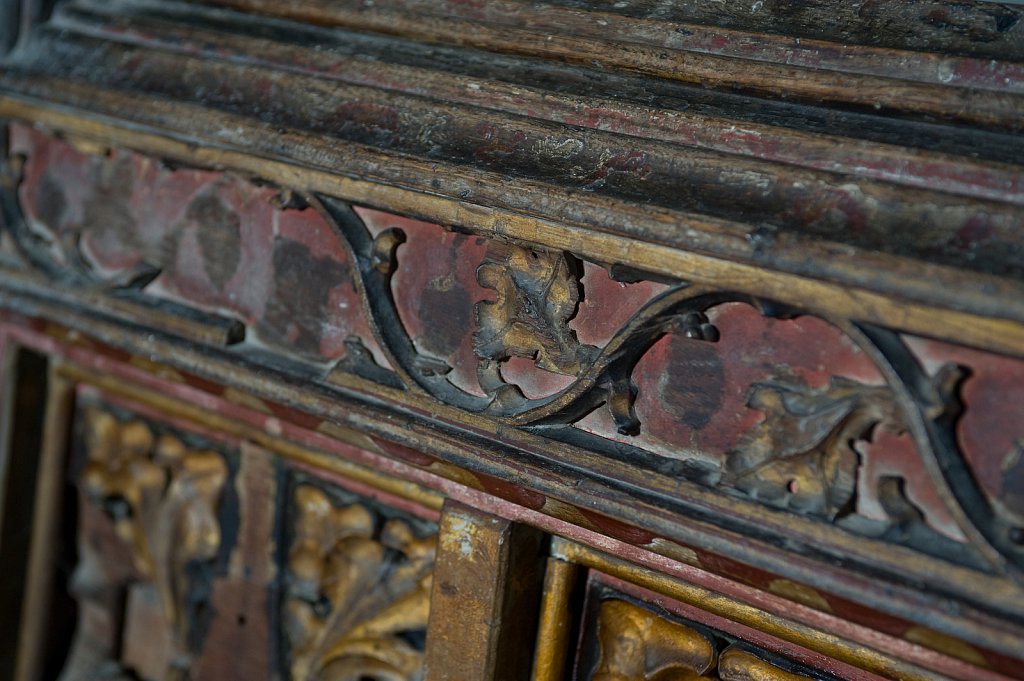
849 424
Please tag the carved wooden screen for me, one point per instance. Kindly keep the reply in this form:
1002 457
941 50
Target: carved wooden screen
466 340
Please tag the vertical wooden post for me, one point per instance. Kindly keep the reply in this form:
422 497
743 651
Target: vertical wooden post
485 599
555 621
244 595
45 526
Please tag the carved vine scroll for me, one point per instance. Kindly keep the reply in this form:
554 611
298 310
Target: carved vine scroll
358 590
804 457
148 535
932 405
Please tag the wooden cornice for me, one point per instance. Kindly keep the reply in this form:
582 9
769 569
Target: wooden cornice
886 175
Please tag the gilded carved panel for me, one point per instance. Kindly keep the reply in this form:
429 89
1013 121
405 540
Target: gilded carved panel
150 535
188 547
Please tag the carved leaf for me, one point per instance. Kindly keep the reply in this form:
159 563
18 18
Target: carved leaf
538 292
802 455
161 497
736 664
636 644
355 593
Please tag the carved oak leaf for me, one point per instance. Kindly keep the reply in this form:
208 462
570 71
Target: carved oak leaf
354 593
802 456
538 292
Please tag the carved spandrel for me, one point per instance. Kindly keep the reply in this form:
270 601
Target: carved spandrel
358 592
538 292
838 474
636 644
100 236
148 535
435 289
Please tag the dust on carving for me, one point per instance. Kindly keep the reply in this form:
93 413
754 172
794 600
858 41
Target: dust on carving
982 26
299 304
498 144
378 123
629 162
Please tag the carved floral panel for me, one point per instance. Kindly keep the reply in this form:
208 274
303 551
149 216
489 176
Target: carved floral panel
357 593
150 537
178 561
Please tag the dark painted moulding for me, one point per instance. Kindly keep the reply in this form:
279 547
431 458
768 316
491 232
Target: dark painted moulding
889 93
782 255
984 29
343 54
863 213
